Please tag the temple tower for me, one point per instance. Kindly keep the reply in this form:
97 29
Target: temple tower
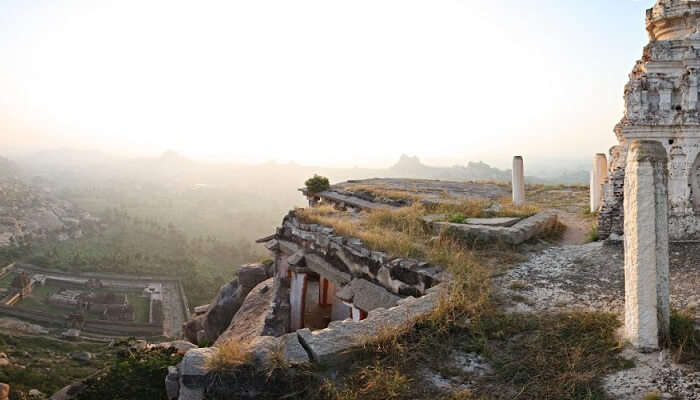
661 104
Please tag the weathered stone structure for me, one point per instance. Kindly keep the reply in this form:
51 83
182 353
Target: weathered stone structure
647 309
661 104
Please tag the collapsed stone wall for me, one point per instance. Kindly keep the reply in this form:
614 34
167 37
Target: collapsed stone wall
348 258
611 216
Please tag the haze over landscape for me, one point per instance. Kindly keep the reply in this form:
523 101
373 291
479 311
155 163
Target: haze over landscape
261 81
342 200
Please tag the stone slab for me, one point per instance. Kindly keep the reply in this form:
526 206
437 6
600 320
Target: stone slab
332 346
501 221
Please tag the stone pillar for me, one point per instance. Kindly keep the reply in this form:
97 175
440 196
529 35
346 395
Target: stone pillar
518 181
323 286
297 300
594 189
647 312
599 174
339 310
356 314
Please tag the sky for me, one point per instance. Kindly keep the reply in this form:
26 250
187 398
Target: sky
323 82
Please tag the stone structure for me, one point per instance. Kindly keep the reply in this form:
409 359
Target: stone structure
518 181
661 104
515 234
647 310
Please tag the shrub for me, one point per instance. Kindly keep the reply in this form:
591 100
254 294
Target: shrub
317 184
136 375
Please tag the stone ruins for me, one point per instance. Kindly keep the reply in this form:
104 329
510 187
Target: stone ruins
661 104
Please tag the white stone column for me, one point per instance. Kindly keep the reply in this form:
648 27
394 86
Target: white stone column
647 312
356 315
297 300
518 181
599 174
594 189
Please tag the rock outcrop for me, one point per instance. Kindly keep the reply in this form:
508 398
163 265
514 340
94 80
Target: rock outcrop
207 328
256 317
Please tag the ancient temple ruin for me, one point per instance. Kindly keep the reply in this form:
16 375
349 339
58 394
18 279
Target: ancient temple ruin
661 104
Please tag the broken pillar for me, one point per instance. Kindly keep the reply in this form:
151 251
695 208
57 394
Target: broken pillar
518 181
647 312
297 299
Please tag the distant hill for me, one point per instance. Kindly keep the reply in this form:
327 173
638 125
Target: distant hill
411 167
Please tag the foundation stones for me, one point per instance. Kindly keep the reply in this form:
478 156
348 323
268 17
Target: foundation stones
518 181
647 314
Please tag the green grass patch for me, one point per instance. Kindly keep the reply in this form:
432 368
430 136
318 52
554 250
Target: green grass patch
47 364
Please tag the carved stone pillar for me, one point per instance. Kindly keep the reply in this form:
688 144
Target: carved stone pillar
647 312
297 300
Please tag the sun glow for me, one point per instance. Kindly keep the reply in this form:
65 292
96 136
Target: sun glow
313 81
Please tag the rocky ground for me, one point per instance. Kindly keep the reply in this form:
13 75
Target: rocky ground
591 277
28 211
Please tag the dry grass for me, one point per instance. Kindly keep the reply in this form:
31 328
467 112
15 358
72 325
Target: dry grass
230 355
559 356
387 192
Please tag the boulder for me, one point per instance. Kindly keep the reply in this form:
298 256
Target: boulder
35 394
255 317
172 383
81 356
195 366
182 346
4 391
208 327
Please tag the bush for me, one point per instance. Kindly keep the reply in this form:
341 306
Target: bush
136 375
317 184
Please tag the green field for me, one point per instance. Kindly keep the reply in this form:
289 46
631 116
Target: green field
6 280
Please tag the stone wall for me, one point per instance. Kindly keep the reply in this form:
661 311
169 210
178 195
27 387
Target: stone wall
516 234
192 378
347 258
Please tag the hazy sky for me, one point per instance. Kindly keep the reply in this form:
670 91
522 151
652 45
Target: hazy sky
352 82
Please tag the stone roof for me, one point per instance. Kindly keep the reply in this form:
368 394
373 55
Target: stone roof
367 296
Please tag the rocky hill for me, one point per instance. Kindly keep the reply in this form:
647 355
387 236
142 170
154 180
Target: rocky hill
30 211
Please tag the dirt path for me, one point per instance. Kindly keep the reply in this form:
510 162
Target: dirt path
577 227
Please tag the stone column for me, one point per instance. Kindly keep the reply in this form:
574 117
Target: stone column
297 300
518 181
323 286
598 176
356 315
594 189
647 312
